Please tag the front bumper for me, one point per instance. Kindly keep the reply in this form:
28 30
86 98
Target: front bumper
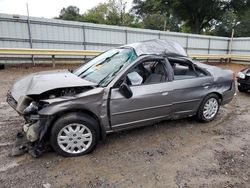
244 84
33 136
32 139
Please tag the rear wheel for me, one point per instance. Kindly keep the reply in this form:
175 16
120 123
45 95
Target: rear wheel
74 135
209 108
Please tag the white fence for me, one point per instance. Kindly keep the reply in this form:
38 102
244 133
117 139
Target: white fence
21 32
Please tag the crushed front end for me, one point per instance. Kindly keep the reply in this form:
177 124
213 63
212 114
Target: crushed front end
32 138
36 92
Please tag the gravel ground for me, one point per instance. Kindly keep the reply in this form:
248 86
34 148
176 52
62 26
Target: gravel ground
181 153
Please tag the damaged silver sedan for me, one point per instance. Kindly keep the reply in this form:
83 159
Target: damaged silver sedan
126 87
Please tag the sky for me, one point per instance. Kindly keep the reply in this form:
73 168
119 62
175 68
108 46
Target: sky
47 8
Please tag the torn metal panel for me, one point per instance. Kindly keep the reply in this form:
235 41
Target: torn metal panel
158 47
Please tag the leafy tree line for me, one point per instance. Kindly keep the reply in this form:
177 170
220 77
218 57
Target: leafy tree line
213 17
112 12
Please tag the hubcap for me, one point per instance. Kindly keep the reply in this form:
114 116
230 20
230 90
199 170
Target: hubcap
74 138
210 108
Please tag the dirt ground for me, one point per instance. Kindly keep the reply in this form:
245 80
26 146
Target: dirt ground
181 153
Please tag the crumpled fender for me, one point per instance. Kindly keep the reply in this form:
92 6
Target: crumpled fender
91 101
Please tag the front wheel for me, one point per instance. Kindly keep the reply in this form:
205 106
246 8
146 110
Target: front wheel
209 108
74 135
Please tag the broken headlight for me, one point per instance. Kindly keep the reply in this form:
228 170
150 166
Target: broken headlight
31 109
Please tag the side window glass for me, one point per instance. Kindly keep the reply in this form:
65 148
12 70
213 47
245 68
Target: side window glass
148 72
183 71
200 72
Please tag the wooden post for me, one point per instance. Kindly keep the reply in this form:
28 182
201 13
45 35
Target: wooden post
209 46
187 44
126 36
84 41
53 61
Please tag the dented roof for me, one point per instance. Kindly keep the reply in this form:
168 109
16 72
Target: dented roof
158 47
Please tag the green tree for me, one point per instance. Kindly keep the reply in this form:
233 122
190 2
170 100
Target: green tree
224 26
113 13
154 21
242 9
243 28
97 14
216 17
236 17
156 14
70 13
239 6
196 14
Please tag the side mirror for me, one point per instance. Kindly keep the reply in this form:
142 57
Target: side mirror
125 90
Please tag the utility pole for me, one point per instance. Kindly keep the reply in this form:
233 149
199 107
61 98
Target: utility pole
29 30
231 40
165 24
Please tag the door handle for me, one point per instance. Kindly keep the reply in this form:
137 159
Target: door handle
165 93
206 85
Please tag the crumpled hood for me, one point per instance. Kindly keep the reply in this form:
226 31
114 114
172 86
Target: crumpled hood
41 82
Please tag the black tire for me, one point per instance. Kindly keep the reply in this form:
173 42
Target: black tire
200 115
75 118
241 89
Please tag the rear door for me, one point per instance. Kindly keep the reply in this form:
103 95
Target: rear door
190 87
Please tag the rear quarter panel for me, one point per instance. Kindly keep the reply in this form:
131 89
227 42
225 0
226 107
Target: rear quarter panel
223 82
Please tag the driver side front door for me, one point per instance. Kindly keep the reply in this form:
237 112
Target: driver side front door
151 102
